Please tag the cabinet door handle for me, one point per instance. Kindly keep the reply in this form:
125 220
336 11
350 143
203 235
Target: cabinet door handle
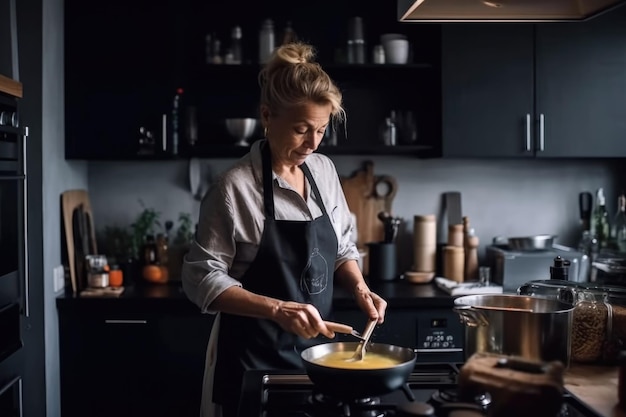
114 321
528 145
20 394
542 138
25 230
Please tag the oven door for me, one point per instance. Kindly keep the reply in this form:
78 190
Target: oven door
13 258
12 220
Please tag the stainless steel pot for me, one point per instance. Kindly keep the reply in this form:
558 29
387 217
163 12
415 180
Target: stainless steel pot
358 383
534 328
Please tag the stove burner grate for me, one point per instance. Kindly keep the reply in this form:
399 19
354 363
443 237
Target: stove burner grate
449 396
327 406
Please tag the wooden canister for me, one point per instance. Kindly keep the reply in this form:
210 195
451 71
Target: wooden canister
424 243
453 263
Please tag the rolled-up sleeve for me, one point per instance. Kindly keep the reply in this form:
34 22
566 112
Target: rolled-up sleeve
205 271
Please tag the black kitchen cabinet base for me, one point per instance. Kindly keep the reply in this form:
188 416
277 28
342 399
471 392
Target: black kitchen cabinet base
132 364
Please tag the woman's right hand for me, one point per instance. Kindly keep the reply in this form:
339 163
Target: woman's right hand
301 319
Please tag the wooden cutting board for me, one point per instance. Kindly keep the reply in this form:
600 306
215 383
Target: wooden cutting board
76 208
367 195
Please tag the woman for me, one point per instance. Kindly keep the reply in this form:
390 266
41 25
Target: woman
274 232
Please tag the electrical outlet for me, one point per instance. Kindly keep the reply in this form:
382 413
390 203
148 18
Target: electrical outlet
59 278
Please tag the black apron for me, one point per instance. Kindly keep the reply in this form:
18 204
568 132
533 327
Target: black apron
295 262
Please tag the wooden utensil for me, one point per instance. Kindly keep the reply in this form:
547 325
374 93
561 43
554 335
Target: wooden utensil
343 328
359 353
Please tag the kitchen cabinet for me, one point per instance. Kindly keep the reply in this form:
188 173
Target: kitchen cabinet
132 362
141 52
544 90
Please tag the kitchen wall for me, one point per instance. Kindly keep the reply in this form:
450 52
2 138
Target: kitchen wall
501 197
42 110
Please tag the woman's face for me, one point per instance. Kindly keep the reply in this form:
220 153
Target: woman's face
296 132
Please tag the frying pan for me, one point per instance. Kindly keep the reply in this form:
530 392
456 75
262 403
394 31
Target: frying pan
358 383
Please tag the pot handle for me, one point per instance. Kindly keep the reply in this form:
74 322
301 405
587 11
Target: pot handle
567 295
470 316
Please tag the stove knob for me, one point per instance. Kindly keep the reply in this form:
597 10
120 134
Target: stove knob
461 410
416 409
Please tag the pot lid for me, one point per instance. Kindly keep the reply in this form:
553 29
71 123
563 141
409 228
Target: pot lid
502 10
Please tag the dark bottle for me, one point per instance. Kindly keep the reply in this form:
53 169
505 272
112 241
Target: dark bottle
175 129
150 252
560 269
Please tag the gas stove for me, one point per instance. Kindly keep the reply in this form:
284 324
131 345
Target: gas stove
431 390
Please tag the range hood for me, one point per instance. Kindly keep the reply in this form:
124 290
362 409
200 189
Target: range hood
502 10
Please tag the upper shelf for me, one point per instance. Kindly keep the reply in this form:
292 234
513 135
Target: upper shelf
207 151
10 86
241 72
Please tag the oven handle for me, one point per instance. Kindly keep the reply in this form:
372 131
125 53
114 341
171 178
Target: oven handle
25 207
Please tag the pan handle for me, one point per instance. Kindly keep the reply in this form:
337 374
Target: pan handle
470 316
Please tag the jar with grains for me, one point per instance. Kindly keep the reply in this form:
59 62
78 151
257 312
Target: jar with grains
599 316
589 325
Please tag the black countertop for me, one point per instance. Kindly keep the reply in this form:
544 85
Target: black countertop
170 298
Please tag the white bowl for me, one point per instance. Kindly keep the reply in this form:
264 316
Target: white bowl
385 37
396 51
241 129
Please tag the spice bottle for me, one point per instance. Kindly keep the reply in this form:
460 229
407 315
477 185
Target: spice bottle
266 41
235 45
560 269
150 256
116 276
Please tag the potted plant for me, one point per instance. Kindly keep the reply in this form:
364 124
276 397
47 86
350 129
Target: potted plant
179 244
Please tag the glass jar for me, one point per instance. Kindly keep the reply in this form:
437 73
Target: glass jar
589 326
599 317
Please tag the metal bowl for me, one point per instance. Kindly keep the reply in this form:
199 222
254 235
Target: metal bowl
531 243
241 129
526 243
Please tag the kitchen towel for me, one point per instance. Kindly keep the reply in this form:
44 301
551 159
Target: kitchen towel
466 288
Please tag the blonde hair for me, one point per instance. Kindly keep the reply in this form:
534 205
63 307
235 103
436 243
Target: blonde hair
292 77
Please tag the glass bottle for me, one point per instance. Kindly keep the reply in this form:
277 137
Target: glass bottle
618 231
266 41
600 227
